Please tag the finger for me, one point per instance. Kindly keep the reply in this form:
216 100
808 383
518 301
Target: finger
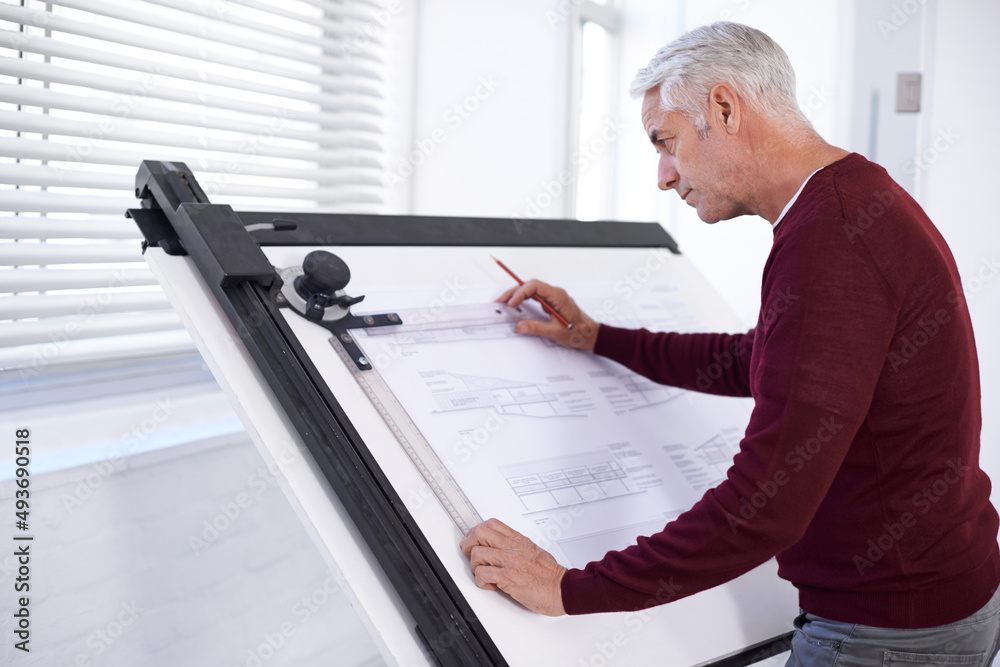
555 296
503 298
550 328
499 527
485 534
487 577
472 539
505 556
481 556
525 291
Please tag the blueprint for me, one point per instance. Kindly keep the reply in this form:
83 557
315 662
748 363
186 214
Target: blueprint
571 449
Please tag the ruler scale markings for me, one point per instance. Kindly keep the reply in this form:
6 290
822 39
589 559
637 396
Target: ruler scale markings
423 456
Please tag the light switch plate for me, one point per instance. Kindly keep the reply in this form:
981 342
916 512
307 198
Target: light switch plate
908 91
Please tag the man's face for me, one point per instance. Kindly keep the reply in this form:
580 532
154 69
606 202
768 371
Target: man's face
703 171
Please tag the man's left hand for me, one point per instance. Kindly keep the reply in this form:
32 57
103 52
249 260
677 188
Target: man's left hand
503 558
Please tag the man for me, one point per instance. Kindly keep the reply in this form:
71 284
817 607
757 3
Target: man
864 376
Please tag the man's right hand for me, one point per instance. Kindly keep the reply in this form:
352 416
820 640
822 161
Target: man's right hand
582 336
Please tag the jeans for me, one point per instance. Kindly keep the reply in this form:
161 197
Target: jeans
971 642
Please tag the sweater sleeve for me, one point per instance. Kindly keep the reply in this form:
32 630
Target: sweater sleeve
709 363
820 345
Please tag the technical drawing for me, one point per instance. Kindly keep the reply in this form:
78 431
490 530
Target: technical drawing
566 481
718 452
631 455
458 391
634 392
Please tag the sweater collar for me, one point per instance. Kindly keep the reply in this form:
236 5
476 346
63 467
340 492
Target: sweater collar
792 200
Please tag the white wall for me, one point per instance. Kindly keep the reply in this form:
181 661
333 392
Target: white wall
489 108
648 26
887 41
958 173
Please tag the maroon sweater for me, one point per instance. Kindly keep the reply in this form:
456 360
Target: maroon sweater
859 468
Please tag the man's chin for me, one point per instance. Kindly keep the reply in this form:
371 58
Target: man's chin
708 217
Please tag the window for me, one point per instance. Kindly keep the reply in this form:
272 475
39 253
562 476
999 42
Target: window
593 159
274 104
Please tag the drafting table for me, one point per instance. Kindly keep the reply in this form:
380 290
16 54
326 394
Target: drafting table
390 531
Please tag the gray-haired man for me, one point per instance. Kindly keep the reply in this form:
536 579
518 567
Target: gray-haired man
866 420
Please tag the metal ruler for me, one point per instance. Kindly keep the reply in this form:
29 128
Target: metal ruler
455 322
494 320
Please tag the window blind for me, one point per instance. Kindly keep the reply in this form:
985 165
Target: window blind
274 104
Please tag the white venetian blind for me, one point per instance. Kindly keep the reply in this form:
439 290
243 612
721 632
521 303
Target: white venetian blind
274 104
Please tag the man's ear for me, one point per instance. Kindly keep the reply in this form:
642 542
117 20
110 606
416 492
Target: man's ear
725 108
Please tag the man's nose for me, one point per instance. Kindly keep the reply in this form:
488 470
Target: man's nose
666 173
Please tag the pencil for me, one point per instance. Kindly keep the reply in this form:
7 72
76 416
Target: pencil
535 297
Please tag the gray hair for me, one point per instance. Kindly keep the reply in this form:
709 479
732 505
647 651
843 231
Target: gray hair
743 57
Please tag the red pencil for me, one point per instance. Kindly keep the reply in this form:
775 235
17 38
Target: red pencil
536 297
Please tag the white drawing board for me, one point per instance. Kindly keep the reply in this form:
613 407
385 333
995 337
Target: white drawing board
519 426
